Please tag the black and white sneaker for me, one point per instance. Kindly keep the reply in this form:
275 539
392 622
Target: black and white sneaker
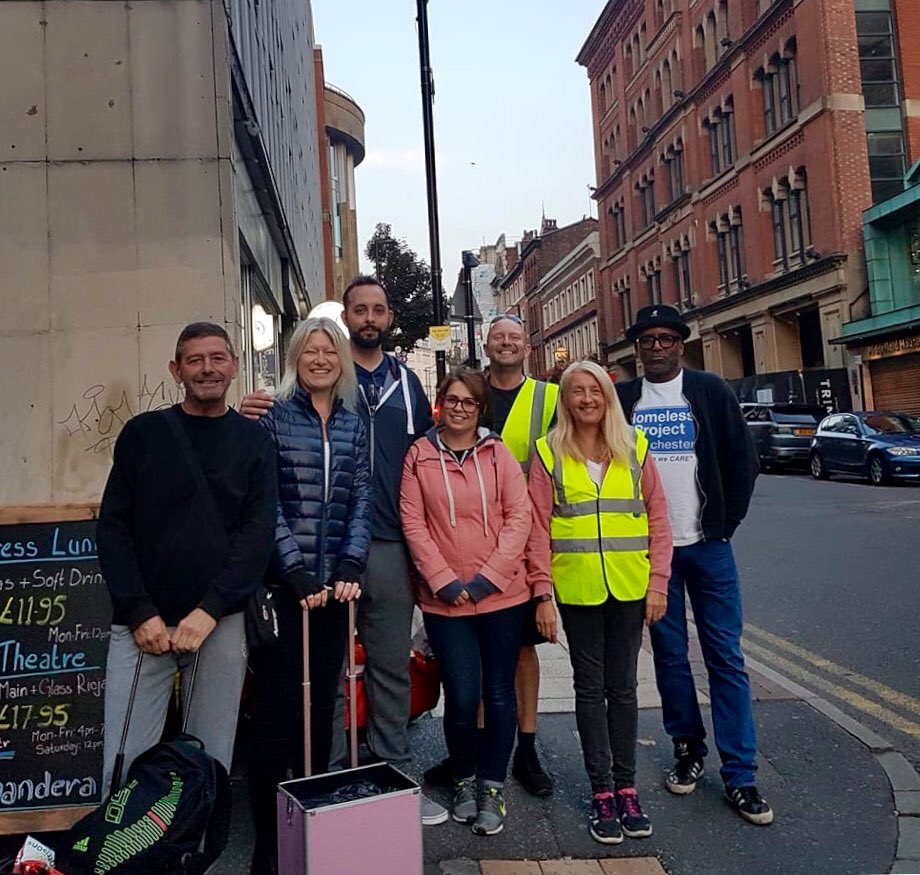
687 770
748 802
603 823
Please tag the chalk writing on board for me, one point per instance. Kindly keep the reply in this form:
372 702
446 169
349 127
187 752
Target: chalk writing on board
54 630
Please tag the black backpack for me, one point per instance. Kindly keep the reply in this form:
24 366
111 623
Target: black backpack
171 817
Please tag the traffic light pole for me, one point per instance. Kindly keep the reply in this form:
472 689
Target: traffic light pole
434 234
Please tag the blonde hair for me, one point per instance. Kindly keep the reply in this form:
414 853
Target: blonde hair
616 433
346 386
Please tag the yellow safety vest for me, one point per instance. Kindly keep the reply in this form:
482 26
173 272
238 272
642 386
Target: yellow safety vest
599 537
529 419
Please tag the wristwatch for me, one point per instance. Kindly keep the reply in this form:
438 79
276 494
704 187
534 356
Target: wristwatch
542 598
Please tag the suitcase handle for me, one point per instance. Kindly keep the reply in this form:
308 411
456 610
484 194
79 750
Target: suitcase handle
352 688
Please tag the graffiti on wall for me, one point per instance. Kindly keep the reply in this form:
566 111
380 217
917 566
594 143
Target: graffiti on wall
97 418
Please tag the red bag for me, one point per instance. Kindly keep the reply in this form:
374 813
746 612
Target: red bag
424 680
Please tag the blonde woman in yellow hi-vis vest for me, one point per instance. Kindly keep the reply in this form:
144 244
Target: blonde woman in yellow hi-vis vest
521 410
601 535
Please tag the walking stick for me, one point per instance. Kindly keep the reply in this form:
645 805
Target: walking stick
307 764
352 688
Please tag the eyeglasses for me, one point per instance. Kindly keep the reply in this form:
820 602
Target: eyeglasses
665 341
469 405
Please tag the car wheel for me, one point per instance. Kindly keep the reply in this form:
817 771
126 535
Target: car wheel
876 472
816 465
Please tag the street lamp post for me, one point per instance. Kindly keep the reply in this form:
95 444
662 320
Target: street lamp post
434 236
469 262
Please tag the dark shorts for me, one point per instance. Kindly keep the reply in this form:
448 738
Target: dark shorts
531 635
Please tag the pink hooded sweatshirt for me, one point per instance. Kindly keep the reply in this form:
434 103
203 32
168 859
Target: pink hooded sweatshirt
460 521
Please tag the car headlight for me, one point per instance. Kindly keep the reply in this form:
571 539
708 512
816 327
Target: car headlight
904 451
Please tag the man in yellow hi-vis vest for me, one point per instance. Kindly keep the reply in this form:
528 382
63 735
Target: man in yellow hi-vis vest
522 410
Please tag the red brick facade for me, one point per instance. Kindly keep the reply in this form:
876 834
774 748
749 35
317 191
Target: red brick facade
732 171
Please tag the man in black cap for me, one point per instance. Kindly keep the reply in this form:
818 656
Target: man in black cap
708 465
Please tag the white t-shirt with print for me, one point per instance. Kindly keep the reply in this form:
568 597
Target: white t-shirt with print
664 415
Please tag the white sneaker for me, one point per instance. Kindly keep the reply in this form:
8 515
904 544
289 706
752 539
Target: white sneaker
432 813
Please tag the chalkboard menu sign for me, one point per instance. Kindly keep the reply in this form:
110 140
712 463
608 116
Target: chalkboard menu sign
54 628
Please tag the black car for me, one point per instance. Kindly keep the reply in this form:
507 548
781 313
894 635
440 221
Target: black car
782 433
878 445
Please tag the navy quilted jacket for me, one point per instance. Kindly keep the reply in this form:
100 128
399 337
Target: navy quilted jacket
322 518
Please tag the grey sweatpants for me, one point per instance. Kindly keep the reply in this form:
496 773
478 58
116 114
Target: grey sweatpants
385 628
214 705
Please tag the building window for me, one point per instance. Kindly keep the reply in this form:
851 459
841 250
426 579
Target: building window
653 285
625 307
675 164
681 262
723 146
780 86
877 59
791 234
618 223
646 190
887 163
730 248
336 202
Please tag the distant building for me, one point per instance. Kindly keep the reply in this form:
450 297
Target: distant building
568 294
342 143
736 146
887 342
160 166
520 286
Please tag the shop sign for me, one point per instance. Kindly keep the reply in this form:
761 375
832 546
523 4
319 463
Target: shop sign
897 346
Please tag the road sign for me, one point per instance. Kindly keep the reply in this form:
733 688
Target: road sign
439 337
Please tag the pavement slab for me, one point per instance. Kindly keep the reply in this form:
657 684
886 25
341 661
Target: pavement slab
819 779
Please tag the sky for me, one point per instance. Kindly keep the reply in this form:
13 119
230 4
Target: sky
512 115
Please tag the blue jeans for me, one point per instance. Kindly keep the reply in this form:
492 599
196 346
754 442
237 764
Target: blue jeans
479 655
707 572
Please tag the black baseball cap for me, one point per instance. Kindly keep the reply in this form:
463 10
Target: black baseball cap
658 316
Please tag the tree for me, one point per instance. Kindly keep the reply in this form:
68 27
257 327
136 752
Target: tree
408 280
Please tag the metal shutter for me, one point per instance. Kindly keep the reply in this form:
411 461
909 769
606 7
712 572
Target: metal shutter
896 383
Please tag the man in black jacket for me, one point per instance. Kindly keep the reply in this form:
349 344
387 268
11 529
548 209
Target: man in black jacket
708 465
178 577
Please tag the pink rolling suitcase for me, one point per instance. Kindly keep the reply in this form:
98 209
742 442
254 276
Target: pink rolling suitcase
378 834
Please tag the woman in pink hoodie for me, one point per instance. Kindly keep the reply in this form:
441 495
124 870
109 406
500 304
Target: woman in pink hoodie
466 517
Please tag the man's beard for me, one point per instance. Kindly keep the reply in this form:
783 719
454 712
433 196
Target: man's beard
369 342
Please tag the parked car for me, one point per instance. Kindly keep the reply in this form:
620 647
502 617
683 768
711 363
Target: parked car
782 433
881 446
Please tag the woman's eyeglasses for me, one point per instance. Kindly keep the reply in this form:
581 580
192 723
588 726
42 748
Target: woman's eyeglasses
469 405
665 341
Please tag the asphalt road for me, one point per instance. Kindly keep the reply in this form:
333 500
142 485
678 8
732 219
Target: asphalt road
831 583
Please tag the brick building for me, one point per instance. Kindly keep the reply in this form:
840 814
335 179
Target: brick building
737 145
520 288
569 299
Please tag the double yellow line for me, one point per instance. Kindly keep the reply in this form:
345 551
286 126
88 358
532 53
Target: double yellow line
769 649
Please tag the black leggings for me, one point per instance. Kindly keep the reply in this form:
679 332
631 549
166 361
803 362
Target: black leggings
277 730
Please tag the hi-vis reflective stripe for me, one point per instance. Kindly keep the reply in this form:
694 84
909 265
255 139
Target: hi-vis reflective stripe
634 505
606 545
604 505
536 424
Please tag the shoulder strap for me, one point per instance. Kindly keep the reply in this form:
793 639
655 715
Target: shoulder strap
194 466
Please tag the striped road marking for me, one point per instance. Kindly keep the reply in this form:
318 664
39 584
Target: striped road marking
765 646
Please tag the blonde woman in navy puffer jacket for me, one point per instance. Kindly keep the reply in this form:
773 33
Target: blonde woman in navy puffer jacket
322 539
